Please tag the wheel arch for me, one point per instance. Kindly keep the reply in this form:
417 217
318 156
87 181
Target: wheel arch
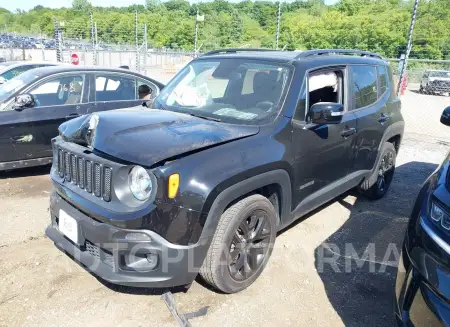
219 199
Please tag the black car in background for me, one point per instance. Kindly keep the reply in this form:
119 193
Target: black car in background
35 103
423 278
11 69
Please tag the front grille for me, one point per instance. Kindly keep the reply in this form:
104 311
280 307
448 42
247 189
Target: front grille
89 175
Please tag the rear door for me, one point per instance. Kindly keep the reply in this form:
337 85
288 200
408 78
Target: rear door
370 92
58 99
117 90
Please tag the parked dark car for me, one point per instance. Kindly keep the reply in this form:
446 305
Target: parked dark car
240 144
11 69
423 277
35 103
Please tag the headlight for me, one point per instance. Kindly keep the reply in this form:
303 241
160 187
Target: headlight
436 213
440 216
140 183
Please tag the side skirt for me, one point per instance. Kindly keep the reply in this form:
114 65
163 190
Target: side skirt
326 194
25 163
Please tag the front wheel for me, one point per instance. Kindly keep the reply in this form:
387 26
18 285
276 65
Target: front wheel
385 174
241 246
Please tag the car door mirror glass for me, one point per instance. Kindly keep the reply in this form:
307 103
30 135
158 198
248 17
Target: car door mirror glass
24 101
445 117
326 113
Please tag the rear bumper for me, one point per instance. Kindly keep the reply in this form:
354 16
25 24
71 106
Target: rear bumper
422 286
108 252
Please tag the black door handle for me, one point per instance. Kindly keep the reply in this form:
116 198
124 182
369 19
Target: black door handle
348 132
71 116
384 118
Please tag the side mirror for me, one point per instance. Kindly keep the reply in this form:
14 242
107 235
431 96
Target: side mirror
3 80
326 113
23 101
445 118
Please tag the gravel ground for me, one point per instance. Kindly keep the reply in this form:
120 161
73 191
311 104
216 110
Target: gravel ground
40 286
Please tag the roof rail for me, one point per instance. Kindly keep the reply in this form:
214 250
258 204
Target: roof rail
321 52
234 50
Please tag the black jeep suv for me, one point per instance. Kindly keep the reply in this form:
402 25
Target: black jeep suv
239 145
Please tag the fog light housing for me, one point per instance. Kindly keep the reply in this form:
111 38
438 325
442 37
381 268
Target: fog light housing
152 259
137 237
139 261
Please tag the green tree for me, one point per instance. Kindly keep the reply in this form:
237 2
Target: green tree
82 5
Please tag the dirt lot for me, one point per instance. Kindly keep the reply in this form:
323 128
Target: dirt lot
40 286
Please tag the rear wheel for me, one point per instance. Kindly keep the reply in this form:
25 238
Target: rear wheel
385 174
241 246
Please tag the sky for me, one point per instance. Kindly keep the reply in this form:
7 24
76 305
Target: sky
29 4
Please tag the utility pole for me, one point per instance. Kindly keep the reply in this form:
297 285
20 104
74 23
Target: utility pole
94 50
145 47
96 35
408 48
136 39
57 38
278 25
196 33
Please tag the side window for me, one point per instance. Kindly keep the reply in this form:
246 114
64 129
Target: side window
383 77
300 111
323 86
59 91
364 88
114 88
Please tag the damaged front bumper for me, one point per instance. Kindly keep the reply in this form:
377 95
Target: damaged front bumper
140 258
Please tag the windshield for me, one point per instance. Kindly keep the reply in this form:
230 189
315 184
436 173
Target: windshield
237 91
441 73
15 84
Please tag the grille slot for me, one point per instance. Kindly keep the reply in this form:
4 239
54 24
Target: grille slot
81 169
74 169
107 184
97 180
89 176
67 166
92 176
61 162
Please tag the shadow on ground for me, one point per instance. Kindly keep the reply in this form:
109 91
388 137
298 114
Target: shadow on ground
361 289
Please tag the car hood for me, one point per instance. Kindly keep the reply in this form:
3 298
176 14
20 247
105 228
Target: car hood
147 136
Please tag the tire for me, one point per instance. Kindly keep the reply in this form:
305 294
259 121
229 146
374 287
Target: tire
228 250
421 90
386 169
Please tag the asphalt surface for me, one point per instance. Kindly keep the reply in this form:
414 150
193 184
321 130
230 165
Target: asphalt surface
318 274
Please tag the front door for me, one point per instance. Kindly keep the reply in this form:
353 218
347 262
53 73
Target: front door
323 153
57 99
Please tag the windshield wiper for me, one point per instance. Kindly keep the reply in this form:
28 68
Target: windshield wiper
205 117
